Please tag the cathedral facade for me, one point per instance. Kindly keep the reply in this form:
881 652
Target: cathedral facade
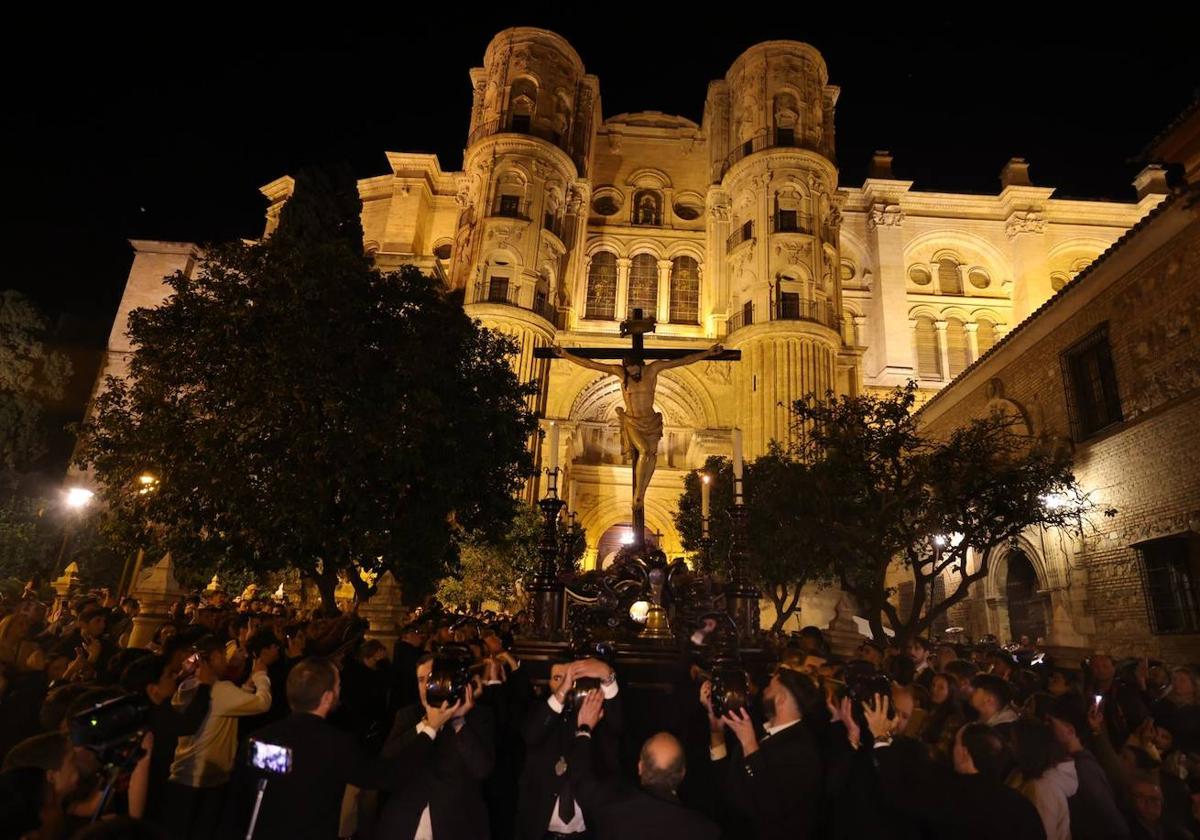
562 222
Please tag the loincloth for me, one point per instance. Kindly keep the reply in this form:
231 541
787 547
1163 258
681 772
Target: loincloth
640 434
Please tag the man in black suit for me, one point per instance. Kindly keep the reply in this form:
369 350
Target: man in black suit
307 802
445 800
972 801
769 787
548 803
620 811
410 647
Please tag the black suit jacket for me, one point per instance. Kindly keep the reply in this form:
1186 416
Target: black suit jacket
449 785
307 802
775 793
618 811
949 804
548 736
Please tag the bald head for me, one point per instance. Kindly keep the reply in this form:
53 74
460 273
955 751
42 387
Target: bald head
661 764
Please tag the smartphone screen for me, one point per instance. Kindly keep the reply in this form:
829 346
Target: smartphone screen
271 758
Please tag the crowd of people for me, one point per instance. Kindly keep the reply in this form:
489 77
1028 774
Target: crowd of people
252 719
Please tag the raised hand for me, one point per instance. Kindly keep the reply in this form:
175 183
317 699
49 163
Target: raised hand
591 711
742 725
877 715
846 715
437 717
714 722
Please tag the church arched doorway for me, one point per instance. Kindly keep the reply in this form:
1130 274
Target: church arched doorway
616 538
1026 613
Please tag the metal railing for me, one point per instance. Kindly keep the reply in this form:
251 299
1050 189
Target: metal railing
512 209
507 294
529 129
789 309
774 140
784 222
740 234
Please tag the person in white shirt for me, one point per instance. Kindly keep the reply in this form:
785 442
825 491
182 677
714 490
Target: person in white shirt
204 761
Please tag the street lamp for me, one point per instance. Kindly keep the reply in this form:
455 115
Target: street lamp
147 483
78 498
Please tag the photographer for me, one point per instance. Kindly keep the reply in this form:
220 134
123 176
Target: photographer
621 811
445 801
152 678
771 783
972 801
547 796
203 762
306 802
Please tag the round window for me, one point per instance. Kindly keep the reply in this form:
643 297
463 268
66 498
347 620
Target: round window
442 252
919 275
979 278
687 212
605 205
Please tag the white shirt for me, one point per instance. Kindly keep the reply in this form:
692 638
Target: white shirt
719 751
576 825
425 826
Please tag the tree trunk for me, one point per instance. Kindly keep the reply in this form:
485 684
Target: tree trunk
326 583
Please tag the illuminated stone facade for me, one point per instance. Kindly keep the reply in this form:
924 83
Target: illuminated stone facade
736 230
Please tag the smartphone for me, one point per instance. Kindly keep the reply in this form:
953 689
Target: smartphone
1097 699
270 758
191 663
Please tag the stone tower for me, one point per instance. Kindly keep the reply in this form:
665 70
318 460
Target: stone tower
774 212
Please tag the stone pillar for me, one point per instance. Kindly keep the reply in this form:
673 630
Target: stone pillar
943 348
973 339
664 291
892 357
623 264
156 590
385 611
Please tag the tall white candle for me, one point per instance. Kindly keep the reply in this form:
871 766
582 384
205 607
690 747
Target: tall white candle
552 460
737 466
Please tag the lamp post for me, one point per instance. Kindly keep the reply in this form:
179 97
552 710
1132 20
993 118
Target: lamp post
741 599
75 499
545 590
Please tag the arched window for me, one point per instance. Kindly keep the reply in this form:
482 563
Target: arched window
787 119
949 277
602 287
929 358
791 212
685 291
643 285
985 336
956 346
522 103
647 208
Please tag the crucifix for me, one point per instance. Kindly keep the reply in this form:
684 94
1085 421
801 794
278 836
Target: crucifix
641 425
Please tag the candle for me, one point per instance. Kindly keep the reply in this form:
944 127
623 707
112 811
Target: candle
705 493
737 466
552 460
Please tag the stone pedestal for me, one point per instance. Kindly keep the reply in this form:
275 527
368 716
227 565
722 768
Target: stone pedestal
156 590
385 612
842 632
65 585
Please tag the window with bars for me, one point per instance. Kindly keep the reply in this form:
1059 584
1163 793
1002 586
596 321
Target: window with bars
643 285
957 347
498 289
602 287
929 357
685 291
949 277
1169 578
1093 402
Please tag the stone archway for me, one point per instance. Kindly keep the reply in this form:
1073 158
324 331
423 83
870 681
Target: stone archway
1016 592
1026 608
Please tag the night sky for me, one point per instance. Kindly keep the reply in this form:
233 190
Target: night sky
120 131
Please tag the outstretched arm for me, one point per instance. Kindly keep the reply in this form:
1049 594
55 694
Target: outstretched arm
691 358
612 370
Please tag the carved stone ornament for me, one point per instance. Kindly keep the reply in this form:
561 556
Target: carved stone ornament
1024 221
885 215
796 253
719 212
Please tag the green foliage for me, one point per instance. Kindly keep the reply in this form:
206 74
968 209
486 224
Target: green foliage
785 549
881 492
301 409
493 570
31 375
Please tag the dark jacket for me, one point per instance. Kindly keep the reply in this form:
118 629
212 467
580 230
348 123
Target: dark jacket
1094 811
776 790
168 725
307 802
450 784
549 736
616 809
952 805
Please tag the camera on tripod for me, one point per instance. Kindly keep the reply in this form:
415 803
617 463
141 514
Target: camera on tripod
112 729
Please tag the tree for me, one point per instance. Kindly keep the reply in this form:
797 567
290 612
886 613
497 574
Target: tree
494 570
297 408
31 375
786 551
883 496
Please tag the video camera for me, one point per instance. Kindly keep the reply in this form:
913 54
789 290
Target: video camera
112 729
730 688
451 674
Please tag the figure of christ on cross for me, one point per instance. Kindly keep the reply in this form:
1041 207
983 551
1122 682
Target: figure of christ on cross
641 425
